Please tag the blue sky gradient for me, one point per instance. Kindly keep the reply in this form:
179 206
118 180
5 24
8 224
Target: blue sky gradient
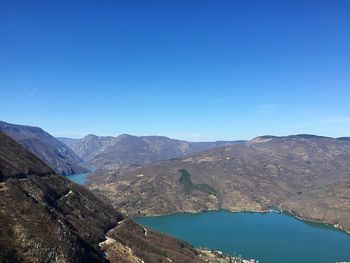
195 70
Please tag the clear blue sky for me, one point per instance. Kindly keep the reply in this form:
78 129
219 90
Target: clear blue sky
195 70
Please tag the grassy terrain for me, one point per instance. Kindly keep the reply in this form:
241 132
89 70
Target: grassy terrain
185 180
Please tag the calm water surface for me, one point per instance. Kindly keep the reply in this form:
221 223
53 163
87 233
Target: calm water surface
268 237
80 178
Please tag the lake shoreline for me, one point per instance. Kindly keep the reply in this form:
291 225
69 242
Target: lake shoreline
81 177
272 210
253 234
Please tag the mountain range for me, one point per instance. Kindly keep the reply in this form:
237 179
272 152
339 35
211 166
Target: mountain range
134 151
45 217
305 175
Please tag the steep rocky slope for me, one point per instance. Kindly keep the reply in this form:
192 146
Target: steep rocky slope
53 152
127 150
91 145
306 175
47 218
70 142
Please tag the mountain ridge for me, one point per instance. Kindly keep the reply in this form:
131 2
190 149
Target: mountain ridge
53 152
130 150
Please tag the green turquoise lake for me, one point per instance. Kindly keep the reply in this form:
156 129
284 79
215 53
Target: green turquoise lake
80 178
268 237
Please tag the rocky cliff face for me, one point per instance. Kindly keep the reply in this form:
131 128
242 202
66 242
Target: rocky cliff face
70 142
308 176
47 218
127 150
91 146
53 152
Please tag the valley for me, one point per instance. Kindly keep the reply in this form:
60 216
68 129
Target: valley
184 131
306 176
47 218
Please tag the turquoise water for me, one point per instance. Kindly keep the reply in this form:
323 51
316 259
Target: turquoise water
80 178
268 237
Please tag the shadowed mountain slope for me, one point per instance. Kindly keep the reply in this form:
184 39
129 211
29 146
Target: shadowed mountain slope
53 152
17 162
